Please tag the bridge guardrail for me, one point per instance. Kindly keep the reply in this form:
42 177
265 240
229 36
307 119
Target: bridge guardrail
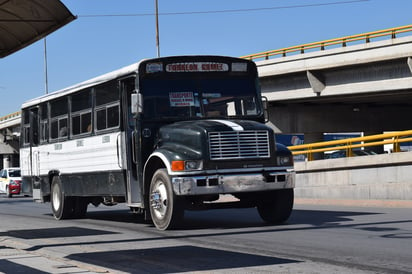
394 138
9 116
392 32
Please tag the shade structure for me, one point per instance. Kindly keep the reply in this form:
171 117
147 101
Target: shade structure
23 22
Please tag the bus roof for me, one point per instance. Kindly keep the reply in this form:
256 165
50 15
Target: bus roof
133 68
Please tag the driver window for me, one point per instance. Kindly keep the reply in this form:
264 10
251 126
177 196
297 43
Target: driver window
249 106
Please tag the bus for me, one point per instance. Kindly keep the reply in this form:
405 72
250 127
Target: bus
163 135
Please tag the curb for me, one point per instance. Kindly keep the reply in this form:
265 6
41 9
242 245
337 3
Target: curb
361 203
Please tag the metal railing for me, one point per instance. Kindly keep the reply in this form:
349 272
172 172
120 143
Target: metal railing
321 45
10 116
394 138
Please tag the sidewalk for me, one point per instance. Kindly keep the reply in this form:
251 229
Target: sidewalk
339 202
362 203
14 259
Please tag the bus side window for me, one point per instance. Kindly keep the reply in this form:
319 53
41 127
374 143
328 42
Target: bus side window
63 127
81 109
107 117
86 122
26 127
101 119
113 116
107 112
58 118
34 126
44 123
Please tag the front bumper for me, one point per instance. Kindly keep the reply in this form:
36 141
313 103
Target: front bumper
233 183
14 189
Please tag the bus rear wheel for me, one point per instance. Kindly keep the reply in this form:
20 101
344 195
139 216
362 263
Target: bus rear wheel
62 206
166 209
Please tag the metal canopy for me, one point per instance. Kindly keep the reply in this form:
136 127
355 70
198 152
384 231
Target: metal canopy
23 22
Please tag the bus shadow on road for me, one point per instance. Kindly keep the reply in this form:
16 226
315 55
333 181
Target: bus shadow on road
175 259
235 218
46 233
116 215
248 218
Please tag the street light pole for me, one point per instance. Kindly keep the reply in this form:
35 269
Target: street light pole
46 80
157 28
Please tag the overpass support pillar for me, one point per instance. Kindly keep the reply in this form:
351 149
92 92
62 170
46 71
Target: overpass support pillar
314 137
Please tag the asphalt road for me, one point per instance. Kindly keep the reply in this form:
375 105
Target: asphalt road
317 239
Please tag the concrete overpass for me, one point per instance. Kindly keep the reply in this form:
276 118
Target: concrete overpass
366 87
9 140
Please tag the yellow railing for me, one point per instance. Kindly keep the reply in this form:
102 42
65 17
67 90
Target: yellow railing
392 32
395 138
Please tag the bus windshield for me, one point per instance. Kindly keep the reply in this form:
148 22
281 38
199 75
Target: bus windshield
231 97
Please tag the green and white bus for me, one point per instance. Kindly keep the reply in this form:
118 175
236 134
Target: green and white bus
163 135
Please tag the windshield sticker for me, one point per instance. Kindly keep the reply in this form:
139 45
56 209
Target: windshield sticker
181 99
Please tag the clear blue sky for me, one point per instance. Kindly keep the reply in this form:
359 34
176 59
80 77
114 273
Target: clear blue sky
90 46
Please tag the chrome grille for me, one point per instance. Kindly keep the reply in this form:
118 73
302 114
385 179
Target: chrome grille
239 144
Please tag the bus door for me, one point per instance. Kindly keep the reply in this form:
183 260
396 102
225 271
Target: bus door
34 151
134 188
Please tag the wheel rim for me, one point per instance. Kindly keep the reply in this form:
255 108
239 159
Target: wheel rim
56 197
159 199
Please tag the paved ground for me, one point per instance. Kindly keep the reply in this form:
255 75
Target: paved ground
15 260
16 257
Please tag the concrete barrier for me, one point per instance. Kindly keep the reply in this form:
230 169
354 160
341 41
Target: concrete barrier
374 177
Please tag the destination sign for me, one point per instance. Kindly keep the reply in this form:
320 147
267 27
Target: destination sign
197 67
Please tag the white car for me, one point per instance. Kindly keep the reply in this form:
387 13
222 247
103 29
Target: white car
10 181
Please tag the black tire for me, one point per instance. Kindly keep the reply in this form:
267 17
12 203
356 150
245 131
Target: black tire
9 195
276 207
62 206
79 207
166 209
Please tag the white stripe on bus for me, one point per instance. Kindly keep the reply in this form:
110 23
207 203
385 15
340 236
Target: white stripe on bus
234 126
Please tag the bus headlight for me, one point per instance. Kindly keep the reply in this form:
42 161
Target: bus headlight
193 165
286 160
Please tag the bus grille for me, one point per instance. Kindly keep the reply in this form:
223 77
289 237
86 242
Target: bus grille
239 145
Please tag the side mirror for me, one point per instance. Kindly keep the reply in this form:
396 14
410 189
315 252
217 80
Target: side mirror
265 108
137 103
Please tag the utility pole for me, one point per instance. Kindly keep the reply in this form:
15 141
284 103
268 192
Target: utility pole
157 28
46 80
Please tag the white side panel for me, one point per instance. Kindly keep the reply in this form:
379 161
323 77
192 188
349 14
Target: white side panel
25 161
91 154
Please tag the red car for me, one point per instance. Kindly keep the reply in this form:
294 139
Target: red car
10 181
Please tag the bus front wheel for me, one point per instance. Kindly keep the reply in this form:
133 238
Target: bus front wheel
276 206
62 206
166 209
